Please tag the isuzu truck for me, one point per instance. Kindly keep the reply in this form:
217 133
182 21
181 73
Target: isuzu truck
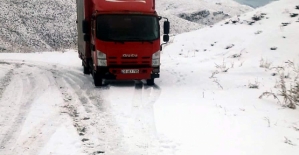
120 39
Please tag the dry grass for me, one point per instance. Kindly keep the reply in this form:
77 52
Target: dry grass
290 95
265 64
222 67
217 82
254 85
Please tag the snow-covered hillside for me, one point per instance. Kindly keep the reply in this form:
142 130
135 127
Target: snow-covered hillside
205 102
27 26
194 14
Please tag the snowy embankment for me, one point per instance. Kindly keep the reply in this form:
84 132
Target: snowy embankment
27 26
206 101
195 14
51 25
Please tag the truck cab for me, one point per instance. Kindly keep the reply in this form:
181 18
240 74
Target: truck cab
120 40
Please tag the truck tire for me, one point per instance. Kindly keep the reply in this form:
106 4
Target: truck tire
86 69
98 81
150 82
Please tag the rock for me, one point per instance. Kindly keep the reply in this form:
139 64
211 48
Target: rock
258 32
258 16
293 14
285 24
229 46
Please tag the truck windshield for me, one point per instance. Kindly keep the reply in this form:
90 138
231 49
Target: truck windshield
127 28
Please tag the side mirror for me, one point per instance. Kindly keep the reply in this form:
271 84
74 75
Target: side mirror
84 26
165 37
86 38
166 27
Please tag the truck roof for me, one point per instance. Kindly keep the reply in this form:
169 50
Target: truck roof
125 5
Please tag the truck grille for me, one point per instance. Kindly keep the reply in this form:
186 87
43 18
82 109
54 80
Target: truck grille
129 61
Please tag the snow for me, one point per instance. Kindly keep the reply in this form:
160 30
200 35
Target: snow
47 105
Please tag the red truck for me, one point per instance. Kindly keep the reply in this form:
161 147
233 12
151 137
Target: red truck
120 39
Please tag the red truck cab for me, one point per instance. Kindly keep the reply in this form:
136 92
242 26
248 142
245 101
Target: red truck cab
120 39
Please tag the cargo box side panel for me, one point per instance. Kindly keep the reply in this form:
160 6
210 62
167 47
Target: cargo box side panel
80 18
124 5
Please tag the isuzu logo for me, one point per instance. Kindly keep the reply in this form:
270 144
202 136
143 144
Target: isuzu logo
130 55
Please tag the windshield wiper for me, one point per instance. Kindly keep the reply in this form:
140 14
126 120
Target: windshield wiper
140 39
116 41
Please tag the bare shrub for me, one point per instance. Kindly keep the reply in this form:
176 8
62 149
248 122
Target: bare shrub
217 82
287 94
241 64
290 96
268 120
267 94
254 85
214 73
232 65
278 69
222 67
236 55
265 64
287 141
295 93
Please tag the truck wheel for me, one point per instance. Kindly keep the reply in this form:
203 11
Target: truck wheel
86 69
150 82
98 81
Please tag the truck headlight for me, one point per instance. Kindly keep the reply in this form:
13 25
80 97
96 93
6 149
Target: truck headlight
156 55
102 62
101 58
156 63
101 55
156 59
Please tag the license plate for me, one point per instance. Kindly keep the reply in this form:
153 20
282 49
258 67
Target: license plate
130 71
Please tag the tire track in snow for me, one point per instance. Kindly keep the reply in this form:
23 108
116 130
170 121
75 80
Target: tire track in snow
93 94
143 112
85 115
44 130
102 120
143 126
94 115
25 89
20 103
5 81
91 148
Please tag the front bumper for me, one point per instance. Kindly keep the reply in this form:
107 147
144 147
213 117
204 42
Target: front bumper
115 73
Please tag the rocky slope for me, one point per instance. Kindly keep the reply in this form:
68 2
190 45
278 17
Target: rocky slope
43 25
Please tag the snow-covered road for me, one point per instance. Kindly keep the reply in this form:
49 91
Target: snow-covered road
42 103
